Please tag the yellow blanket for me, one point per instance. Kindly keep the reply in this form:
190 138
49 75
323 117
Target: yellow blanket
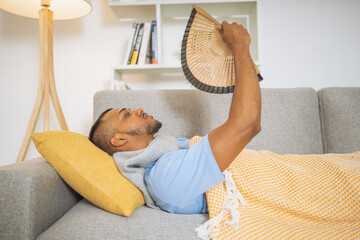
290 197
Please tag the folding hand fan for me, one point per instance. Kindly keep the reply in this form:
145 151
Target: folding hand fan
206 60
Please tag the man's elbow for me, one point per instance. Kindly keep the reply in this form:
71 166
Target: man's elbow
257 128
255 124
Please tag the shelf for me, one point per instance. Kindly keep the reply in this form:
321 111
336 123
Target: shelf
135 13
148 68
129 69
124 75
134 76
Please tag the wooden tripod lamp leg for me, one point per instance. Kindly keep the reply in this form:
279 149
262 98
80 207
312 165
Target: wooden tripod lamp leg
47 82
33 119
45 17
55 98
51 78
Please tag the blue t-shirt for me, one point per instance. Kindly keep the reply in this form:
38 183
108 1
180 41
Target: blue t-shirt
177 182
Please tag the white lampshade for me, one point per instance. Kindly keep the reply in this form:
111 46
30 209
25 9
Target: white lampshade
63 9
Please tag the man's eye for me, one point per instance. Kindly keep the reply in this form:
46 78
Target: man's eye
127 114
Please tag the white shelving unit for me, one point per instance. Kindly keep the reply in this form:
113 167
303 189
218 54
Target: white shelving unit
172 17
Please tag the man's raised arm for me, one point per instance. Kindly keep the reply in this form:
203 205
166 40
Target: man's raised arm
243 123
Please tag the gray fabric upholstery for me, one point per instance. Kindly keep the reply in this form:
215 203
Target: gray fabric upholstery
289 122
340 114
290 117
33 197
86 221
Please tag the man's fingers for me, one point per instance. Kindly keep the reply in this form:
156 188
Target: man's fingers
224 24
218 27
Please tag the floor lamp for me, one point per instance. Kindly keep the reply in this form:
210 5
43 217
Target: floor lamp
58 10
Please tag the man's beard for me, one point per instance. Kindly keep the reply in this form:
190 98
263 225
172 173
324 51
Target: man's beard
146 129
153 128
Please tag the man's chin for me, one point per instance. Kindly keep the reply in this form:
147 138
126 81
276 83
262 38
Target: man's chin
155 127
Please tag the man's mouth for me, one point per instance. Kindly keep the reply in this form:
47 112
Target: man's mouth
145 116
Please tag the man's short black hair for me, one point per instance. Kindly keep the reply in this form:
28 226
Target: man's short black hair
98 136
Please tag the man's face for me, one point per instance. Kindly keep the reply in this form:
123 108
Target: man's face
134 122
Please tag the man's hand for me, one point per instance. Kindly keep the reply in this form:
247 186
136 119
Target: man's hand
243 123
236 37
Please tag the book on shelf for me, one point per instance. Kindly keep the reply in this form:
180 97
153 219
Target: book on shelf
136 49
148 52
144 44
133 34
154 49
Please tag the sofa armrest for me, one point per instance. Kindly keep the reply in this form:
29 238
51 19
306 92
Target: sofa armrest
32 198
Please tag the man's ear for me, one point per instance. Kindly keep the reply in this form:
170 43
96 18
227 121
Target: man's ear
118 140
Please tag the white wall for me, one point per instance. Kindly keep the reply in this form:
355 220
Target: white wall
308 43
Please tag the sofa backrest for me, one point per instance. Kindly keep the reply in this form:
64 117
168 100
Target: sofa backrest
290 117
290 122
340 115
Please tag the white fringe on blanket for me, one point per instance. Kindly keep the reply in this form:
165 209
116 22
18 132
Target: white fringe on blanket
210 228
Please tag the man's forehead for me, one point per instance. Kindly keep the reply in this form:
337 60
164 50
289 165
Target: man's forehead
112 113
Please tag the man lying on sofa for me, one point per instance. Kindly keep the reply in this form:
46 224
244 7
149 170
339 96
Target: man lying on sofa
171 175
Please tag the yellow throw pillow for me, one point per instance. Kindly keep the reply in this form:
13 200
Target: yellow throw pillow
89 171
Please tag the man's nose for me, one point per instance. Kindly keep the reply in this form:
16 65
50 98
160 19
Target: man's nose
139 111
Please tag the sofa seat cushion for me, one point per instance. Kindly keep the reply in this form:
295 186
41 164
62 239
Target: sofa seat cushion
340 115
86 221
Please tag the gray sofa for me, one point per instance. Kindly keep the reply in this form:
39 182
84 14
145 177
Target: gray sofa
36 204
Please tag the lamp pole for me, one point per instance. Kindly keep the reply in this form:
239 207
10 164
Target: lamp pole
47 81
